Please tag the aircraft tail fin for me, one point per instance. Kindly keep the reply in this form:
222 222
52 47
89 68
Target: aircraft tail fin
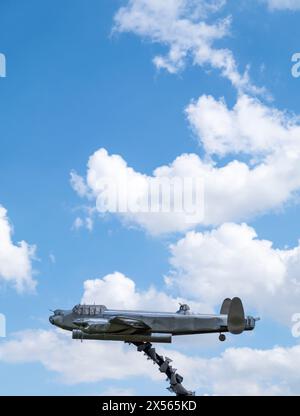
236 317
225 306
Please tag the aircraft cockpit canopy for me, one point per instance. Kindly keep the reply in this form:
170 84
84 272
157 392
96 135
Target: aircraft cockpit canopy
89 309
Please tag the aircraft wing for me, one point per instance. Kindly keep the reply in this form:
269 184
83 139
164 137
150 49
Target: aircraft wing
129 323
116 324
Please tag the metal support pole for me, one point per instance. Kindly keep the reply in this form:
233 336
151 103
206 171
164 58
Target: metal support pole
164 367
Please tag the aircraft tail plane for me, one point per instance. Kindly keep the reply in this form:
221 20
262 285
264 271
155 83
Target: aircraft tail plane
234 310
225 306
236 317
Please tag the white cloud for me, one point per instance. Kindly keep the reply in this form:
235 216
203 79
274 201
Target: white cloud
243 371
252 371
236 191
232 261
133 190
74 361
265 180
240 190
15 259
86 222
119 291
208 267
180 25
250 127
78 184
284 4
114 391
78 223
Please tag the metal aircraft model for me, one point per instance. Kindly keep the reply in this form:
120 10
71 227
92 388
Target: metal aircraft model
96 322
141 328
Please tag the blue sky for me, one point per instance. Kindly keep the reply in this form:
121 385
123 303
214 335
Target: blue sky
74 86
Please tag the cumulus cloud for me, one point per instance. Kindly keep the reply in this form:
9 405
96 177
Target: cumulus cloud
119 291
114 391
232 261
243 371
208 267
252 371
181 26
15 259
75 361
78 184
110 179
250 127
236 191
86 222
284 4
240 190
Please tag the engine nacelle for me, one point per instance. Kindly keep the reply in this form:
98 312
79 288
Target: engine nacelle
90 327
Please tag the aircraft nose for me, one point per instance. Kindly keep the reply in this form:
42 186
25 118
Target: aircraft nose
55 320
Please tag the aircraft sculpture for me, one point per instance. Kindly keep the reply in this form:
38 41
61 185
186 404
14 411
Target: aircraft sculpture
99 323
96 322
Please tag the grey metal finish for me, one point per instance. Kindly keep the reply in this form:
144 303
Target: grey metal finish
225 306
162 338
164 365
236 317
98 322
